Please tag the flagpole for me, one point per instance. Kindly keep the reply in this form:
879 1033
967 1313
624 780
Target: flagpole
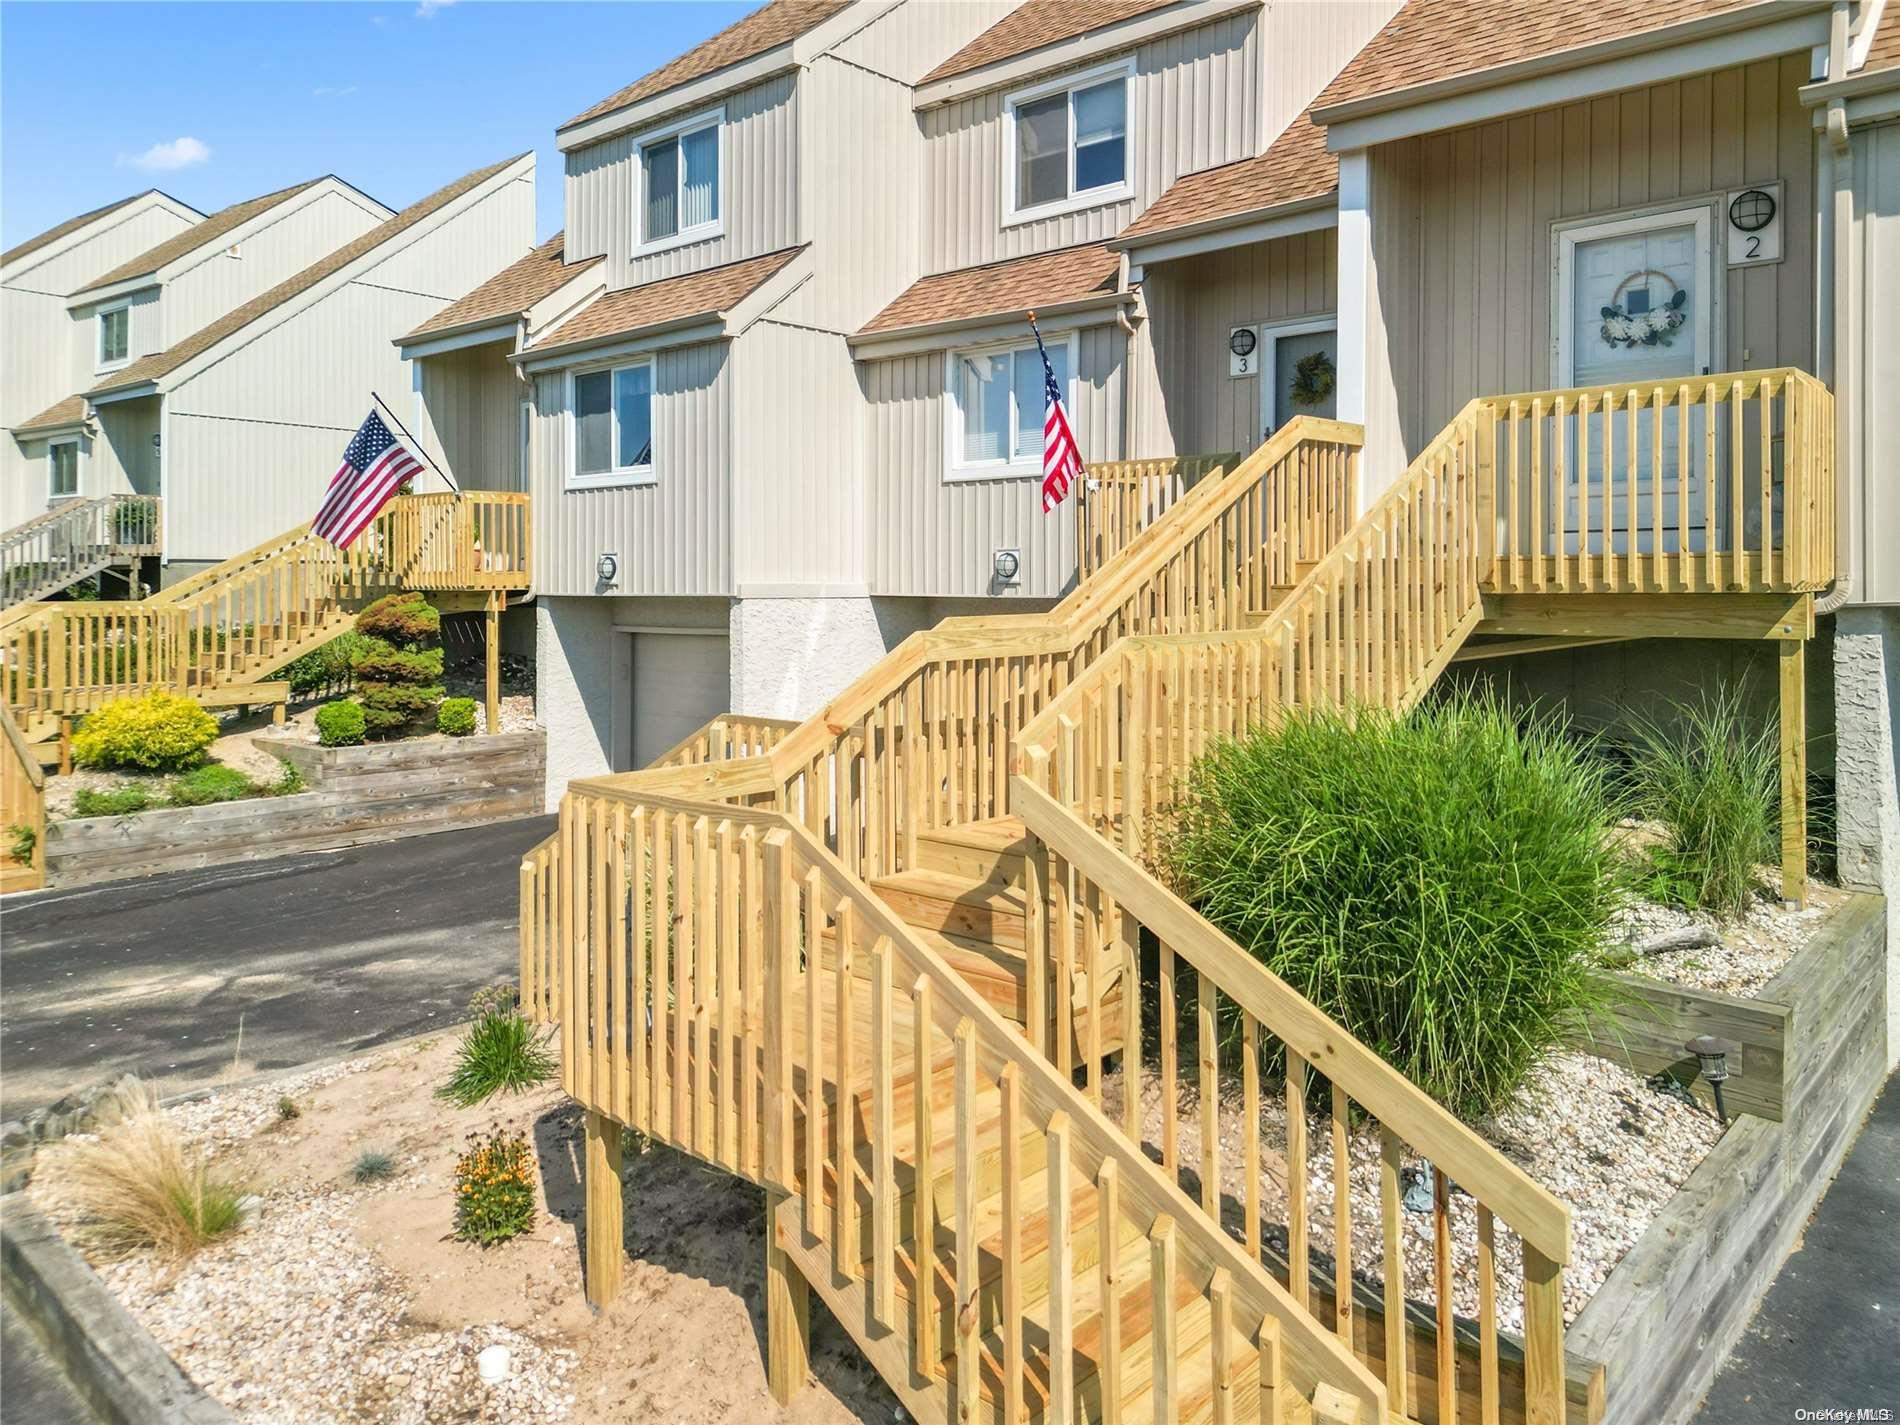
416 445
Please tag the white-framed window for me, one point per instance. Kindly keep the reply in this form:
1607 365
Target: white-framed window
995 412
62 469
679 196
115 337
610 426
1066 143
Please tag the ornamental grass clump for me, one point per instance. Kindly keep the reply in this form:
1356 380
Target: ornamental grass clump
1439 882
1709 776
501 1053
494 1188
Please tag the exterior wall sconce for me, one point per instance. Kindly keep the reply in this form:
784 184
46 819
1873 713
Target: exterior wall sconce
1006 564
1712 1057
607 569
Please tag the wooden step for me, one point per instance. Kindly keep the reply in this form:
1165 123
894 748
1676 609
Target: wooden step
981 851
954 905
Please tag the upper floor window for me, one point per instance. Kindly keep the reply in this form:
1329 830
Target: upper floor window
62 468
612 426
1068 143
679 183
115 337
997 396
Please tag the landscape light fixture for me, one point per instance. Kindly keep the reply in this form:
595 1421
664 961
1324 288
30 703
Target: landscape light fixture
1712 1056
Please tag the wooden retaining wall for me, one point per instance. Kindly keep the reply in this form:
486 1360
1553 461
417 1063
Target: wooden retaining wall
356 794
1663 1323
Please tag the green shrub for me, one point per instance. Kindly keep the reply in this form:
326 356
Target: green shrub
326 669
121 801
340 724
1440 883
399 669
1710 777
213 782
289 781
501 1052
456 717
372 1166
22 841
494 1188
160 732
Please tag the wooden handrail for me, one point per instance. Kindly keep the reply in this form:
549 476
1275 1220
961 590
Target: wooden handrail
1121 498
668 936
75 539
22 797
725 737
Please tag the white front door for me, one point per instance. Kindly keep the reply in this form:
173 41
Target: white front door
1633 304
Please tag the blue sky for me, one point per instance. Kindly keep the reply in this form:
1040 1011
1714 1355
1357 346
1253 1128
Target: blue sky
215 103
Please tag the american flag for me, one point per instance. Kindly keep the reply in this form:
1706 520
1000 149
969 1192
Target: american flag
375 465
1061 457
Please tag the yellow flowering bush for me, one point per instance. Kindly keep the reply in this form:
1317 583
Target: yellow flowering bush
494 1188
159 732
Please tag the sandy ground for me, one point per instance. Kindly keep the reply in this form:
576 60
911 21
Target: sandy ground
256 1319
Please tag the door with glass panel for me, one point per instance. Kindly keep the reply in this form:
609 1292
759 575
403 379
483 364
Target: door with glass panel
1634 299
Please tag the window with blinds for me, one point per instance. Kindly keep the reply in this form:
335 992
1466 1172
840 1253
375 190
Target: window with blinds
679 183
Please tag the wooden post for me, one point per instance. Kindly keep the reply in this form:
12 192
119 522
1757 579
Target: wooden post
1794 771
65 747
277 714
605 1244
787 1311
491 687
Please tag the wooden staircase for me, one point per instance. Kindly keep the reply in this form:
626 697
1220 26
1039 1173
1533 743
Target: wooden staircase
73 541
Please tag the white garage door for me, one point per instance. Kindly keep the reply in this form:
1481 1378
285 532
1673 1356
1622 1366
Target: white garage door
680 682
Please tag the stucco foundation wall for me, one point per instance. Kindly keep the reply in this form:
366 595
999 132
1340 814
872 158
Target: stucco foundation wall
792 655
1867 733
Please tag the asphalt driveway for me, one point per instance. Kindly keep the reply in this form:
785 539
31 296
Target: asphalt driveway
315 955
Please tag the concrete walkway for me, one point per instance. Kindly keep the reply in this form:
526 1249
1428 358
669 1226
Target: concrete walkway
1827 1335
315 955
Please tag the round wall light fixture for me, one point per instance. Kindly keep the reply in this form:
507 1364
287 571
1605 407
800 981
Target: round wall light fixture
607 568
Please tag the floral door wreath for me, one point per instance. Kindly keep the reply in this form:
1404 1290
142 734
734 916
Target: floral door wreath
1649 325
1313 377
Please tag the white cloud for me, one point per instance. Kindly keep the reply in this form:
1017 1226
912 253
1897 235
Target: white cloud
427 9
165 157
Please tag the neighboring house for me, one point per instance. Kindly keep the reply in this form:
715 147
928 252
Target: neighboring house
37 278
777 429
224 369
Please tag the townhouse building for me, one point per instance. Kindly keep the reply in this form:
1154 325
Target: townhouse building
220 363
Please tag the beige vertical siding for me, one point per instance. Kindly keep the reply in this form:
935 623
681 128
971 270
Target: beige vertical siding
1463 223
253 438
927 537
122 458
469 416
673 536
146 335
759 192
1197 103
1194 406
1307 44
797 490
1873 445
909 41
298 235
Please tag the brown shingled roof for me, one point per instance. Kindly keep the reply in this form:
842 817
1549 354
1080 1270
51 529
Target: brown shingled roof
1296 165
695 294
511 291
197 235
1432 40
765 28
1884 52
71 225
1038 23
1069 274
151 368
68 412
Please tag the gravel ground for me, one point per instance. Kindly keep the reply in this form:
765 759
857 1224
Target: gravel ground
1594 1134
1754 947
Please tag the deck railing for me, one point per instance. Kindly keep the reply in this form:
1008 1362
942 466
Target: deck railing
1121 498
1710 484
74 539
22 810
726 737
242 618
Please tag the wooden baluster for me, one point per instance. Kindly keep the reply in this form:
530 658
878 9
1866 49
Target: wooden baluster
640 883
1061 1273
1738 519
731 1000
883 1169
1489 1406
1040 911
1165 1026
1342 1216
1391 1211
968 1188
1685 555
814 1058
1447 1364
1165 1329
623 1032
1206 1003
1765 418
1250 1135
1543 1339
844 1232
1711 493
1094 947
1130 936
1220 1301
923 1233
705 973
665 1065
1012 1263
1108 1251
755 948
1272 1402
1298 1258
683 984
